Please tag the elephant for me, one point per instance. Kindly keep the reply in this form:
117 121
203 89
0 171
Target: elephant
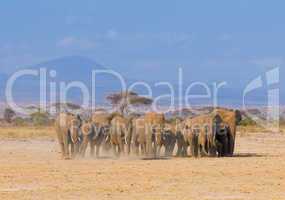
147 134
102 121
96 136
120 134
154 128
187 139
139 135
222 139
68 132
181 142
232 119
169 138
204 134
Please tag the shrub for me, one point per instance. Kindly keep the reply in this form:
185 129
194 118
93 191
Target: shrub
19 121
9 114
247 121
40 119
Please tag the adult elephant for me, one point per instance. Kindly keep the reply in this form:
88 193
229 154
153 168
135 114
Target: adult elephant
68 132
204 134
169 138
232 119
139 135
182 144
120 134
147 134
101 121
95 136
222 139
154 129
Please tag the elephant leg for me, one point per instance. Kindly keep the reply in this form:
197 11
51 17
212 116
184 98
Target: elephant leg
129 139
212 150
114 148
66 146
192 147
155 148
72 150
166 151
184 151
226 146
231 144
92 148
158 149
179 149
149 145
203 150
129 148
143 149
76 149
195 147
83 146
97 151
61 144
219 147
171 148
135 147
121 147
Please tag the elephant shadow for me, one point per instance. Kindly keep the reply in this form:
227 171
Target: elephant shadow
248 155
156 158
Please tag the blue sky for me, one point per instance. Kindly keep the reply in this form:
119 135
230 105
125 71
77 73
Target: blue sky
229 38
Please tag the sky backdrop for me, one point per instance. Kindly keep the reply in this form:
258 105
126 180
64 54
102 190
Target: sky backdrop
210 40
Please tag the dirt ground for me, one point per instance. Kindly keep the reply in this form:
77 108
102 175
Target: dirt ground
31 169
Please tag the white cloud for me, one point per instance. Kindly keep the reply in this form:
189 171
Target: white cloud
112 34
268 62
74 42
225 37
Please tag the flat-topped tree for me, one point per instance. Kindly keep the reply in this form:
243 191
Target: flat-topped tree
122 100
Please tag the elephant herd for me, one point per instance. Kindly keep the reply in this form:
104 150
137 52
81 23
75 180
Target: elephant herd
210 134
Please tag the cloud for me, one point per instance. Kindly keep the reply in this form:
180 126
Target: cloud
225 37
74 42
268 62
112 34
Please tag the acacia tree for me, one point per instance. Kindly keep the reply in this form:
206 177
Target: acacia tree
122 100
9 114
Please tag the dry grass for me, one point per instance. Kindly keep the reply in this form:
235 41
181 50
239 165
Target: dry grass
27 132
248 130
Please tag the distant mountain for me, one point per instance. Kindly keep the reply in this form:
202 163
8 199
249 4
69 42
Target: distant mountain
79 68
68 69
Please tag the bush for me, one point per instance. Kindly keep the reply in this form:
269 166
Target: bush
40 119
247 121
19 121
9 114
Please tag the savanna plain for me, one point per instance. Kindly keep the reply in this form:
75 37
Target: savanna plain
31 168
